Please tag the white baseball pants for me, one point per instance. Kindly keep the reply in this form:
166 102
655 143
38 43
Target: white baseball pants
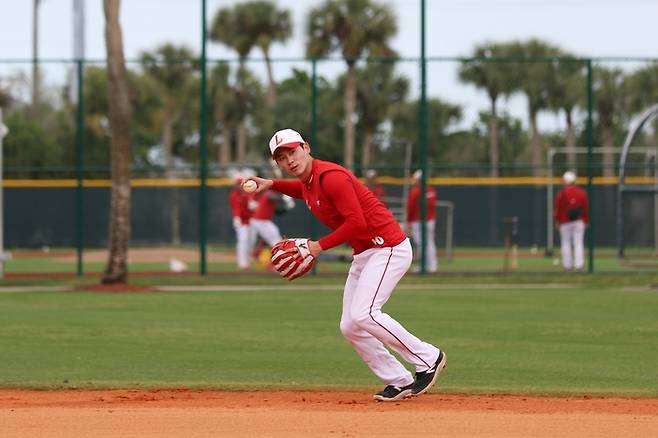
244 241
267 230
373 276
431 260
571 236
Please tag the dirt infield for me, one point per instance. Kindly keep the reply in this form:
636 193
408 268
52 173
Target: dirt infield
187 413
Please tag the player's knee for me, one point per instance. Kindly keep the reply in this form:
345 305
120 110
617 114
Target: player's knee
363 319
348 328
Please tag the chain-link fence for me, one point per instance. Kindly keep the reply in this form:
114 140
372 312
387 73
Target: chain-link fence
501 130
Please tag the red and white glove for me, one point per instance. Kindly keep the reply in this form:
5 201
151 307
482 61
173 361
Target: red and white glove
291 258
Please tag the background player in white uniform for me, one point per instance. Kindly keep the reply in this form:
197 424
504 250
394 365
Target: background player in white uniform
382 255
241 203
261 220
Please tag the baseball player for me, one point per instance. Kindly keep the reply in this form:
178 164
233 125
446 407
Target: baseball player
571 217
261 220
239 202
413 219
382 255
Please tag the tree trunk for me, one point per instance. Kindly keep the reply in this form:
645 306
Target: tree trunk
494 149
350 103
270 99
116 270
608 159
242 142
168 147
36 92
571 143
535 144
366 152
225 148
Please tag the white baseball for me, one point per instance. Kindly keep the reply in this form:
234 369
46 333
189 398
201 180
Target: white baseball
249 186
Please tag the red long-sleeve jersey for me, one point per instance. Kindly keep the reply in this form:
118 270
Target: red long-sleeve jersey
379 192
341 202
413 203
571 204
239 202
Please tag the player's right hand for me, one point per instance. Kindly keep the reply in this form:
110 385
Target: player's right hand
262 183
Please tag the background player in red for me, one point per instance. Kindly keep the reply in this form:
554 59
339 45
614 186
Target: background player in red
413 220
382 255
376 188
571 217
241 213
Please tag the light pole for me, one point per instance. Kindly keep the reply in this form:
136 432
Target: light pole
3 131
35 59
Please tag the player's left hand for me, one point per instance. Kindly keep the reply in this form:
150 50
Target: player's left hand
292 258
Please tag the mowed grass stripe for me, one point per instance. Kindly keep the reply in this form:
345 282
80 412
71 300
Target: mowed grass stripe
573 340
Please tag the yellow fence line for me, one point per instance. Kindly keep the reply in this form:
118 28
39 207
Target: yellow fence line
226 182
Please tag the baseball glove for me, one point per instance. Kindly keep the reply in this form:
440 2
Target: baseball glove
291 258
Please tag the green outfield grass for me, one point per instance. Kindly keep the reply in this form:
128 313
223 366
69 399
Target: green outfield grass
583 335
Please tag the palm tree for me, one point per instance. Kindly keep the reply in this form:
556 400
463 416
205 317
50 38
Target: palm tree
495 78
441 116
223 98
116 270
355 28
534 78
172 68
265 24
378 92
608 85
227 28
567 92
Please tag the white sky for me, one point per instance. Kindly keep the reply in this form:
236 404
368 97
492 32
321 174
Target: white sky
596 28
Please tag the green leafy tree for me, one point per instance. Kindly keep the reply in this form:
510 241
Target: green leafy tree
641 91
293 109
513 140
496 79
355 28
144 98
33 148
441 117
172 69
379 91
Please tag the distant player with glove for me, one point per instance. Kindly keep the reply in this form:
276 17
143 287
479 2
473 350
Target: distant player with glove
382 255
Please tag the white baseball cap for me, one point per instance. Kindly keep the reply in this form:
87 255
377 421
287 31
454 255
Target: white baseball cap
569 177
285 138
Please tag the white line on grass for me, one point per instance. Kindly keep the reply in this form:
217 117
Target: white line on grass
330 287
15 289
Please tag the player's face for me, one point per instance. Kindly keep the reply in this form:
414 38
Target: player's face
294 161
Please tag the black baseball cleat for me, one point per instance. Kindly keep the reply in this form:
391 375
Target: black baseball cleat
425 379
392 393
